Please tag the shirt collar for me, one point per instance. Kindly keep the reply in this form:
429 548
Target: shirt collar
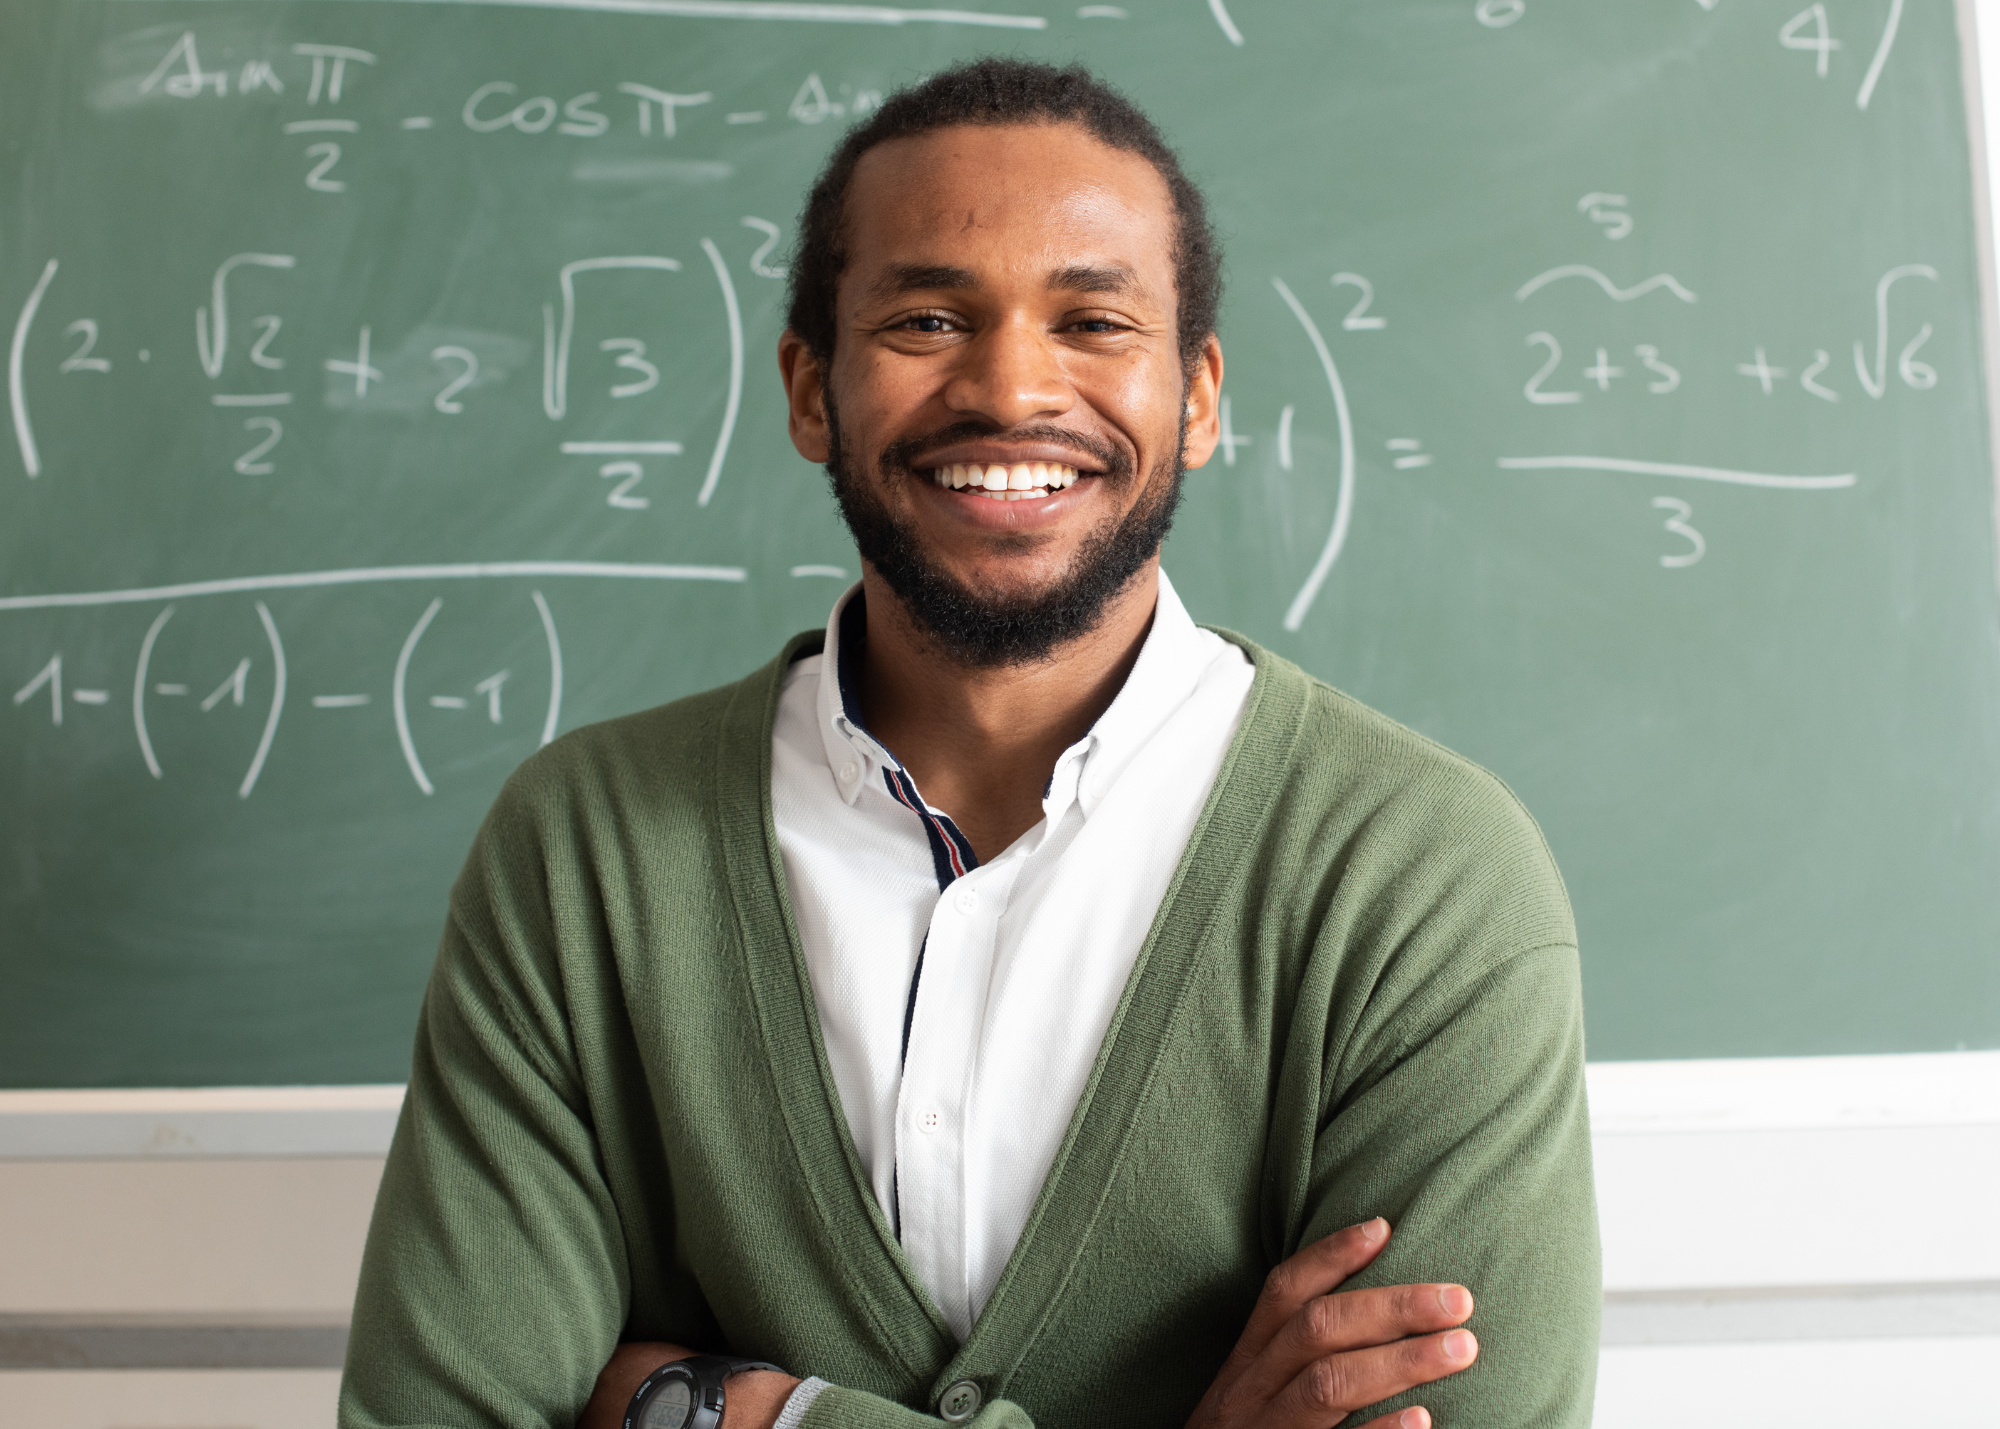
1170 664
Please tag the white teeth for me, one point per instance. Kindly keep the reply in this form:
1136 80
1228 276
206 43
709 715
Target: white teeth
1032 480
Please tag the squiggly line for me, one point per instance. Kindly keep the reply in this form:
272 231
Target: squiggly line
1611 289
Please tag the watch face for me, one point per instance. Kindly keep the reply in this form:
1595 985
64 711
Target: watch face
670 1406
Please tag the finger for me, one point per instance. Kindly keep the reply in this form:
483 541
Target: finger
1415 1417
1314 1271
1353 1320
1335 1386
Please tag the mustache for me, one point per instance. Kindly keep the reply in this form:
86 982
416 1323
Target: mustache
901 456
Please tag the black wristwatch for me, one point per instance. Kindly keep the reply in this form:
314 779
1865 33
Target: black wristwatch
686 1394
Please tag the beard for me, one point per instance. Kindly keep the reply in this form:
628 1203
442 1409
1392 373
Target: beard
992 631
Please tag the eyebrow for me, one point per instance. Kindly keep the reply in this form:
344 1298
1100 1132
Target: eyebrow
1115 278
902 278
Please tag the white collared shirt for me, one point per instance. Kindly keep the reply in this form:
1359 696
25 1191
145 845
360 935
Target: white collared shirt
959 1077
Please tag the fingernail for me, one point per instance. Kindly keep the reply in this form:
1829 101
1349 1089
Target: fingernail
1459 1344
1417 1418
1373 1230
1455 1301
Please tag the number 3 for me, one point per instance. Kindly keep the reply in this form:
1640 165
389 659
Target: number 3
1677 523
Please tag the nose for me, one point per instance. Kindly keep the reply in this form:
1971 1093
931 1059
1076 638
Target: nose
1010 375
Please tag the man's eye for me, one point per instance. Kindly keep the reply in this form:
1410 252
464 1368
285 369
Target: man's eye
1097 325
929 322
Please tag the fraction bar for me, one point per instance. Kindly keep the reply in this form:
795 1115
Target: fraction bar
621 448
1668 468
252 399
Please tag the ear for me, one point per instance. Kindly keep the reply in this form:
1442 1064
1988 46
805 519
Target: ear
1202 417
805 394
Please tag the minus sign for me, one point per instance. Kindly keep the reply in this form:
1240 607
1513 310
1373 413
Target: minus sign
417 121
338 702
91 697
447 702
322 126
252 399
747 116
170 689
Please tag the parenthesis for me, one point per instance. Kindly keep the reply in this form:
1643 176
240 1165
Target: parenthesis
555 668
277 701
139 689
397 694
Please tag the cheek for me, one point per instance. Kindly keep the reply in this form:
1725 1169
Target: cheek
1140 400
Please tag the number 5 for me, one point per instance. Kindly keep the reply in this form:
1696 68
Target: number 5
1677 523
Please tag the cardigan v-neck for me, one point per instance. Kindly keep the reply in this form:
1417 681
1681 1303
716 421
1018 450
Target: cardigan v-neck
1359 997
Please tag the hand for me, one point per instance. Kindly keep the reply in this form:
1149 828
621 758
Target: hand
1309 1358
753 1400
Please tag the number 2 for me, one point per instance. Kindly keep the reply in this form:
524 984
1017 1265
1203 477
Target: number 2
1677 523
248 464
81 360
1533 391
633 474
1355 321
443 401
317 179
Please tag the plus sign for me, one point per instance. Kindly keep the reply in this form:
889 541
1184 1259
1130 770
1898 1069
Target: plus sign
1603 372
363 373
1230 441
1762 370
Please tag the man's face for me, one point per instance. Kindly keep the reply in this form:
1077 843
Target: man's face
1007 315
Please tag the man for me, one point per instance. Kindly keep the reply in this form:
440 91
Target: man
996 1008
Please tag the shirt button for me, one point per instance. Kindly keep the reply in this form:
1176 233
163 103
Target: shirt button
849 772
967 901
929 1121
960 1402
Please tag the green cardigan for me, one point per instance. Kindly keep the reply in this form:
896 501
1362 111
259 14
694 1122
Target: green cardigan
1359 997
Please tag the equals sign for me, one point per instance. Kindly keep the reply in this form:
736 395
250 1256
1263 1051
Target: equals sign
1415 455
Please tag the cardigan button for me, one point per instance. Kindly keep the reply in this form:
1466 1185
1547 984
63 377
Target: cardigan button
960 1402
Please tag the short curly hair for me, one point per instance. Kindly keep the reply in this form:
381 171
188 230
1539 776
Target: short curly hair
998 91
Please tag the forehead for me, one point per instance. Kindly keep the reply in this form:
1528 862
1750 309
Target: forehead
1028 196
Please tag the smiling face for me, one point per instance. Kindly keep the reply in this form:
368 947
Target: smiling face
1006 414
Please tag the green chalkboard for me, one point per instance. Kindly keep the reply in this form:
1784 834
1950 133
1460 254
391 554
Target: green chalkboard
392 386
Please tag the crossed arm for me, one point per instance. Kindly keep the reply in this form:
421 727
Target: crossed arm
1310 1356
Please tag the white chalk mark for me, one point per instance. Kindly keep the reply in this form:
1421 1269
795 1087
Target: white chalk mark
369 575
1677 524
214 319
91 697
50 675
325 126
139 689
620 497
778 10
448 702
1411 463
1762 370
555 667
1879 383
16 393
1662 468
746 116
1285 437
648 97
1295 614
1611 289
398 688
771 232
277 702
1403 444
166 689
1221 13
361 370
321 81
735 398
1357 319
339 702
1888 41
838 573
621 448
555 345
1229 441
490 687
252 399
235 687
1608 212
418 121
1100 12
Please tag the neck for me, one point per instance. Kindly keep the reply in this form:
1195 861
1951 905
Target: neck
982 742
